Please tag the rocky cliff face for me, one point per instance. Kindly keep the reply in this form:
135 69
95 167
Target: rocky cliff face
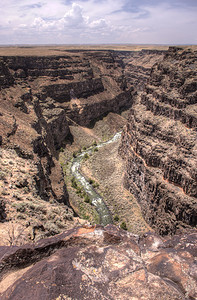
86 84
138 65
101 263
160 143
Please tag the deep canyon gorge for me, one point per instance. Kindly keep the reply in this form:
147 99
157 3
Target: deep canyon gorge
56 104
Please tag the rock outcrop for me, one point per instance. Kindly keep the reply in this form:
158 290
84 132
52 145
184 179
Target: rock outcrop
2 210
160 144
138 65
101 263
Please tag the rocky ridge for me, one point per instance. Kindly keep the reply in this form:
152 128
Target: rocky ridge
160 144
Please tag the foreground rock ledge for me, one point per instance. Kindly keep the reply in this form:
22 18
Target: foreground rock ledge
101 263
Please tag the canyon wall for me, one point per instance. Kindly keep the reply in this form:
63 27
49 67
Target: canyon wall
159 144
138 65
42 95
85 84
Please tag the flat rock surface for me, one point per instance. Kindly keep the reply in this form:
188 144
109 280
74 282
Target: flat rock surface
101 263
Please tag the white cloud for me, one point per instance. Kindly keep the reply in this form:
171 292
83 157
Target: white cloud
74 21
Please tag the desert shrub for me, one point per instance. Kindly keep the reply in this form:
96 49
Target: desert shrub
51 215
87 199
91 181
56 210
96 149
67 216
52 228
15 233
95 185
20 207
79 190
2 210
37 208
116 218
60 224
123 225
84 148
86 156
2 175
20 216
74 154
73 182
94 143
61 149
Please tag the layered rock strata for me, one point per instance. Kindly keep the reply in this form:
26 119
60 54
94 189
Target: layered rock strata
137 66
85 84
101 263
160 144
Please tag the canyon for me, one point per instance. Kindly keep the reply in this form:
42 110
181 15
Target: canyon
57 102
42 97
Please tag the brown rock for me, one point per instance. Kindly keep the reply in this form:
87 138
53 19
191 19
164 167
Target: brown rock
104 263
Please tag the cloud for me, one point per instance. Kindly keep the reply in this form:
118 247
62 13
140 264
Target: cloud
73 21
98 21
73 18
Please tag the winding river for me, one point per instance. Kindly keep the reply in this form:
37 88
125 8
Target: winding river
96 199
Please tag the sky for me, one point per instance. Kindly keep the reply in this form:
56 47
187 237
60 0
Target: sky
98 22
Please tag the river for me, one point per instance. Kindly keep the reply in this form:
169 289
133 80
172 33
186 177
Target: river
96 200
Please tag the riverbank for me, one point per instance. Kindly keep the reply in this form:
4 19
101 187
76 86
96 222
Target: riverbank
105 168
82 138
